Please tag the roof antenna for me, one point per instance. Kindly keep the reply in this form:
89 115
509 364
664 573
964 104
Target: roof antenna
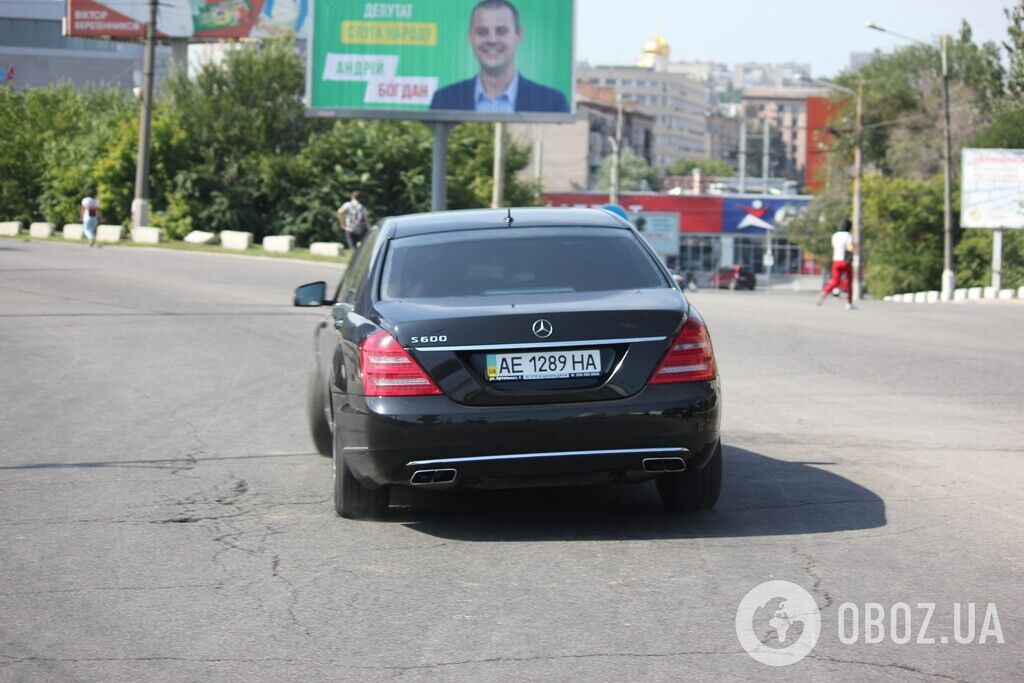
508 219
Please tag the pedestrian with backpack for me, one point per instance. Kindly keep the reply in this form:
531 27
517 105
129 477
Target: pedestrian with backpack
354 220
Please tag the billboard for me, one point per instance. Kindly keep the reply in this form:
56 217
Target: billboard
442 60
197 20
992 189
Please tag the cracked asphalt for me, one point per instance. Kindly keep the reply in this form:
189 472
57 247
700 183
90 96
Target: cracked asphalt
163 515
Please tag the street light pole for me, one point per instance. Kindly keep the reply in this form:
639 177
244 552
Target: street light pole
140 205
948 274
616 143
858 161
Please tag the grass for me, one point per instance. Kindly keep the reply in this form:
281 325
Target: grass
175 245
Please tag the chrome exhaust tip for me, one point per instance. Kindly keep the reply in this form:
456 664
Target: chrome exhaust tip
433 477
664 465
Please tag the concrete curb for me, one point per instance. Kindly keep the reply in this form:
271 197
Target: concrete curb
41 231
11 228
235 239
960 296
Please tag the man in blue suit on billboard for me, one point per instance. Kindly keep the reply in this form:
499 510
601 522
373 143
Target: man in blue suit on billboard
495 33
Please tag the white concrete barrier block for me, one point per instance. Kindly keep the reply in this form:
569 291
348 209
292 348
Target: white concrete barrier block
41 230
147 235
887 297
1020 292
280 244
909 298
932 297
73 231
10 228
235 239
1007 293
326 249
200 237
920 297
974 293
990 292
109 233
959 295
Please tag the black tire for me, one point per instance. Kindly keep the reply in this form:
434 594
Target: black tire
316 405
692 490
353 500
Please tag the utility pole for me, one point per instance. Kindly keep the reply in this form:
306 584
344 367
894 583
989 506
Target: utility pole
948 276
498 194
858 161
769 256
439 166
765 152
140 206
616 142
743 156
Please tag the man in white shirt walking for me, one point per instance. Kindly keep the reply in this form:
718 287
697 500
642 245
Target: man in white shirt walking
91 215
843 248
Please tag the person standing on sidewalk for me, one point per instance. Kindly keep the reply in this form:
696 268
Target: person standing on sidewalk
91 215
843 249
355 221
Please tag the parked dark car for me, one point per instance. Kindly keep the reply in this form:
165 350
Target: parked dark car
733 277
534 347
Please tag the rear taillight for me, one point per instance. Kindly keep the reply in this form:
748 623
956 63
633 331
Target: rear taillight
389 371
689 359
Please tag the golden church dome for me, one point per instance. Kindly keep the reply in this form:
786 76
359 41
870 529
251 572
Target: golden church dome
657 47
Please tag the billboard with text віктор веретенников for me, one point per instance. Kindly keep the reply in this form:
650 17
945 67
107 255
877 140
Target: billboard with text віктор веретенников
442 60
193 20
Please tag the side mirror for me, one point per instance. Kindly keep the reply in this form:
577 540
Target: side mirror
313 294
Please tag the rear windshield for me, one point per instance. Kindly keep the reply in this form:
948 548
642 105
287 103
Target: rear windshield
517 261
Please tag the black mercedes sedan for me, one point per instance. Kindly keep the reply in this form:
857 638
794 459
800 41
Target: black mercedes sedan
512 348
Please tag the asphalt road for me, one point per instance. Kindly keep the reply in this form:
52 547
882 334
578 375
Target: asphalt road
163 515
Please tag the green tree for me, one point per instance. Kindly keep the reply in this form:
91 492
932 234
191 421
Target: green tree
635 174
902 238
1015 50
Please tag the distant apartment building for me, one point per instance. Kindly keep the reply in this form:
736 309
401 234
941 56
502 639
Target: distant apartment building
34 52
677 101
722 142
785 109
568 157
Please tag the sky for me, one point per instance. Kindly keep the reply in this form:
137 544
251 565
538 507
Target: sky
820 32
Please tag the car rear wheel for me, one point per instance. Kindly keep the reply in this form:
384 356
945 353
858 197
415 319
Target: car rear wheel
352 499
316 404
692 490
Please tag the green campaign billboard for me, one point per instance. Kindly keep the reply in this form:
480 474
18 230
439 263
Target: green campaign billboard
443 60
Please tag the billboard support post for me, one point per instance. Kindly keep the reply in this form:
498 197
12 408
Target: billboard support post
997 259
140 205
498 191
439 166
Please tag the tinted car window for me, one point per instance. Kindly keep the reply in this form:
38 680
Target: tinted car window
357 268
524 261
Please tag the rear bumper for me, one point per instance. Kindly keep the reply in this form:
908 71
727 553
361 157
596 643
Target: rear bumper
387 440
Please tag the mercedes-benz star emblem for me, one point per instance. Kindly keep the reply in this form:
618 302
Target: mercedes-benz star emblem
542 328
